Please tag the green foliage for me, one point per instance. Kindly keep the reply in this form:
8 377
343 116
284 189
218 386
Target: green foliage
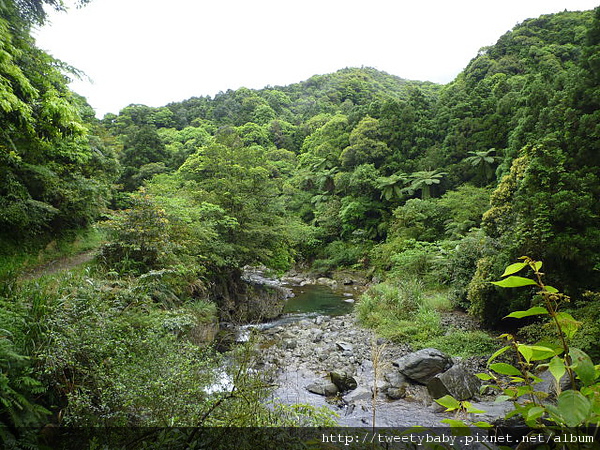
115 360
50 162
392 186
339 254
408 259
399 311
423 220
142 147
319 171
424 181
483 162
366 145
19 386
587 311
466 206
464 343
140 238
576 406
238 179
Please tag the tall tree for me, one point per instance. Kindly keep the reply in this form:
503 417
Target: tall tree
483 161
423 181
45 156
392 186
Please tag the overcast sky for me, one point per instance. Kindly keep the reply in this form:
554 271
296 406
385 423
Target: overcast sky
155 51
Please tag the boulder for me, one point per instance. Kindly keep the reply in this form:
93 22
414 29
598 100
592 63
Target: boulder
549 384
344 381
327 282
317 335
290 344
359 394
397 384
456 381
421 366
326 388
395 393
395 379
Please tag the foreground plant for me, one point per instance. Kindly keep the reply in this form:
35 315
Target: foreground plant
577 406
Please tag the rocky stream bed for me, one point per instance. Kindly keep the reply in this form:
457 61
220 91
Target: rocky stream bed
330 360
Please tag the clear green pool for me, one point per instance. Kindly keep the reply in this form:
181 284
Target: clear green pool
318 299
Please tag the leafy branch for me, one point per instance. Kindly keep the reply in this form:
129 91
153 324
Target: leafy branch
579 405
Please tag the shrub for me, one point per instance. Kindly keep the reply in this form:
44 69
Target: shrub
341 254
462 263
406 259
420 220
20 387
140 238
588 313
117 360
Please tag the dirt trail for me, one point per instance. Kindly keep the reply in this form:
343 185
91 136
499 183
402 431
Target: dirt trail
58 265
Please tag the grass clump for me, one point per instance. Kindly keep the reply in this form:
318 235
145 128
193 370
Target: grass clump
401 311
465 343
406 311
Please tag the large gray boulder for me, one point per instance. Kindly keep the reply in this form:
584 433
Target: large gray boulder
360 394
397 385
550 386
343 380
326 388
421 366
457 381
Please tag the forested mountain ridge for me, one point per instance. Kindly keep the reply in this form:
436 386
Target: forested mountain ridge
319 94
431 190
360 143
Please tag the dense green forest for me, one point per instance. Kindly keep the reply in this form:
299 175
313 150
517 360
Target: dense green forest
427 187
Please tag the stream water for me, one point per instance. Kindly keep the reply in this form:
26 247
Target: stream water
315 299
317 333
307 302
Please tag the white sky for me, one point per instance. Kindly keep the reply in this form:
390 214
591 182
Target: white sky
154 51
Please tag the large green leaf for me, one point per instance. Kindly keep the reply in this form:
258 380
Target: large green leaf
535 352
514 268
448 402
557 368
471 409
498 353
568 324
573 408
515 281
505 369
583 366
484 376
533 311
535 412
